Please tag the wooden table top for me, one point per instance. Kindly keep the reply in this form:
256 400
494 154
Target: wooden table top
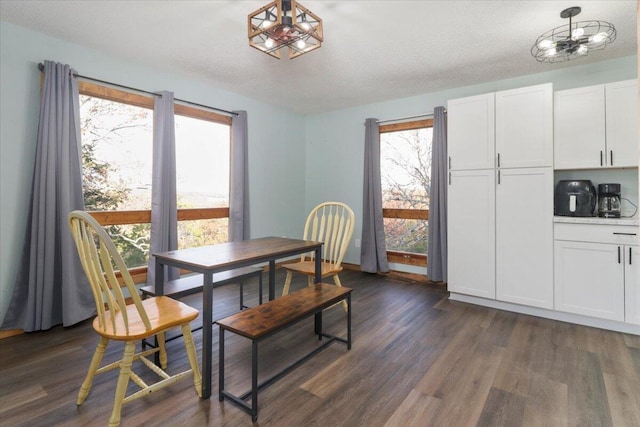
230 253
266 318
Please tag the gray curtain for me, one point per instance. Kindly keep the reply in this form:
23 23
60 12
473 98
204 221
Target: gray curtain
373 252
239 189
164 213
437 251
51 287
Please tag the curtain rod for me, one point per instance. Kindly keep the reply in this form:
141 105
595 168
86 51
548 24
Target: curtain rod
409 117
41 68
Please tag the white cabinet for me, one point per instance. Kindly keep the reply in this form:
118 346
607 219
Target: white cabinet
524 127
524 236
632 284
470 124
471 232
622 123
595 271
500 234
596 126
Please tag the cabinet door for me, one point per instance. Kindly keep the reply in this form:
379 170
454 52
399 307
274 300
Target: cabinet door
471 233
579 128
622 123
471 132
524 127
632 284
524 236
589 280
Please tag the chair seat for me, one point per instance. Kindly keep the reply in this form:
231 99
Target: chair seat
164 313
309 267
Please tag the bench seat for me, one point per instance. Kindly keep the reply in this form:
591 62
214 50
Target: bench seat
266 319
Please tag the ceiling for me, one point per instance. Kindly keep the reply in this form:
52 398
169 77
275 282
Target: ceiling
372 51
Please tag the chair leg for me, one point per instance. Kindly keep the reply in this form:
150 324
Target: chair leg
336 279
310 280
123 381
93 367
287 283
163 350
193 357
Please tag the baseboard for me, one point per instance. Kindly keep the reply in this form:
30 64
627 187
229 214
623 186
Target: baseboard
550 314
10 333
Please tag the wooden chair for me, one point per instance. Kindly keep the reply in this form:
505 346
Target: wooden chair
331 223
129 323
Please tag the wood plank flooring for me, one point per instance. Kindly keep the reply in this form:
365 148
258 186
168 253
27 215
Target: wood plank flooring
418 359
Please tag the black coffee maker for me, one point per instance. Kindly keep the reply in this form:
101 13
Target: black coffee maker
609 200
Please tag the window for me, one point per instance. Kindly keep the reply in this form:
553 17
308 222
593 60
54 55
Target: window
405 170
117 143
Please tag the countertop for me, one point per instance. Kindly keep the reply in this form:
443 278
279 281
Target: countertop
596 220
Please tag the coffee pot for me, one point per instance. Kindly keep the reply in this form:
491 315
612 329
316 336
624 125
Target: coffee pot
609 200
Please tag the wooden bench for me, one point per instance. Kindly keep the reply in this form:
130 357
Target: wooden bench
192 284
266 319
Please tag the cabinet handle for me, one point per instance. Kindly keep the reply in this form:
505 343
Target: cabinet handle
629 256
498 177
600 157
498 159
625 234
449 162
449 178
618 254
611 157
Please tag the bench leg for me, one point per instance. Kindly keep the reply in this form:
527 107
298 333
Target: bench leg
254 380
242 295
318 324
260 288
221 366
349 321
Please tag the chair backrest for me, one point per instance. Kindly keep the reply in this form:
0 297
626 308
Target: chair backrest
101 261
331 223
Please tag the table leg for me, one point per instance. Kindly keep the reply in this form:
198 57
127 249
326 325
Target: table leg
159 290
207 317
318 265
272 279
318 324
221 367
254 380
349 321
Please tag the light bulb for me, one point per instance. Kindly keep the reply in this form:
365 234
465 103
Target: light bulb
582 50
551 52
305 26
268 43
265 24
598 38
577 33
546 44
301 44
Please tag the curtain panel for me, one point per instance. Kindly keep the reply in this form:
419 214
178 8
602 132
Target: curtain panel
164 209
51 287
373 252
239 185
437 245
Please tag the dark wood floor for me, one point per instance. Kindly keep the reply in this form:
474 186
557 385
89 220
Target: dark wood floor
418 359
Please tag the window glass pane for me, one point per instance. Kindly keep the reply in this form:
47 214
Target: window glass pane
202 163
202 232
406 235
132 241
405 168
116 155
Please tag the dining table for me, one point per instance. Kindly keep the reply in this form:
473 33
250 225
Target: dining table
211 259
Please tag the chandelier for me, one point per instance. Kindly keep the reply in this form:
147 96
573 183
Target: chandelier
285 23
574 40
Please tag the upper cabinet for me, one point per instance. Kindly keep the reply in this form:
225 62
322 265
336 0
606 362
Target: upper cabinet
524 127
596 126
470 123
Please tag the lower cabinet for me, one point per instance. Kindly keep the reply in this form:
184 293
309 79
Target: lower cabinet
596 271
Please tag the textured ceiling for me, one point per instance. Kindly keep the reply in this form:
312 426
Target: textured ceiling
373 50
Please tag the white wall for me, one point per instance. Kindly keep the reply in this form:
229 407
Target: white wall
276 137
335 140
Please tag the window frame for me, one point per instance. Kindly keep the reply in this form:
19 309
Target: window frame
106 218
400 257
